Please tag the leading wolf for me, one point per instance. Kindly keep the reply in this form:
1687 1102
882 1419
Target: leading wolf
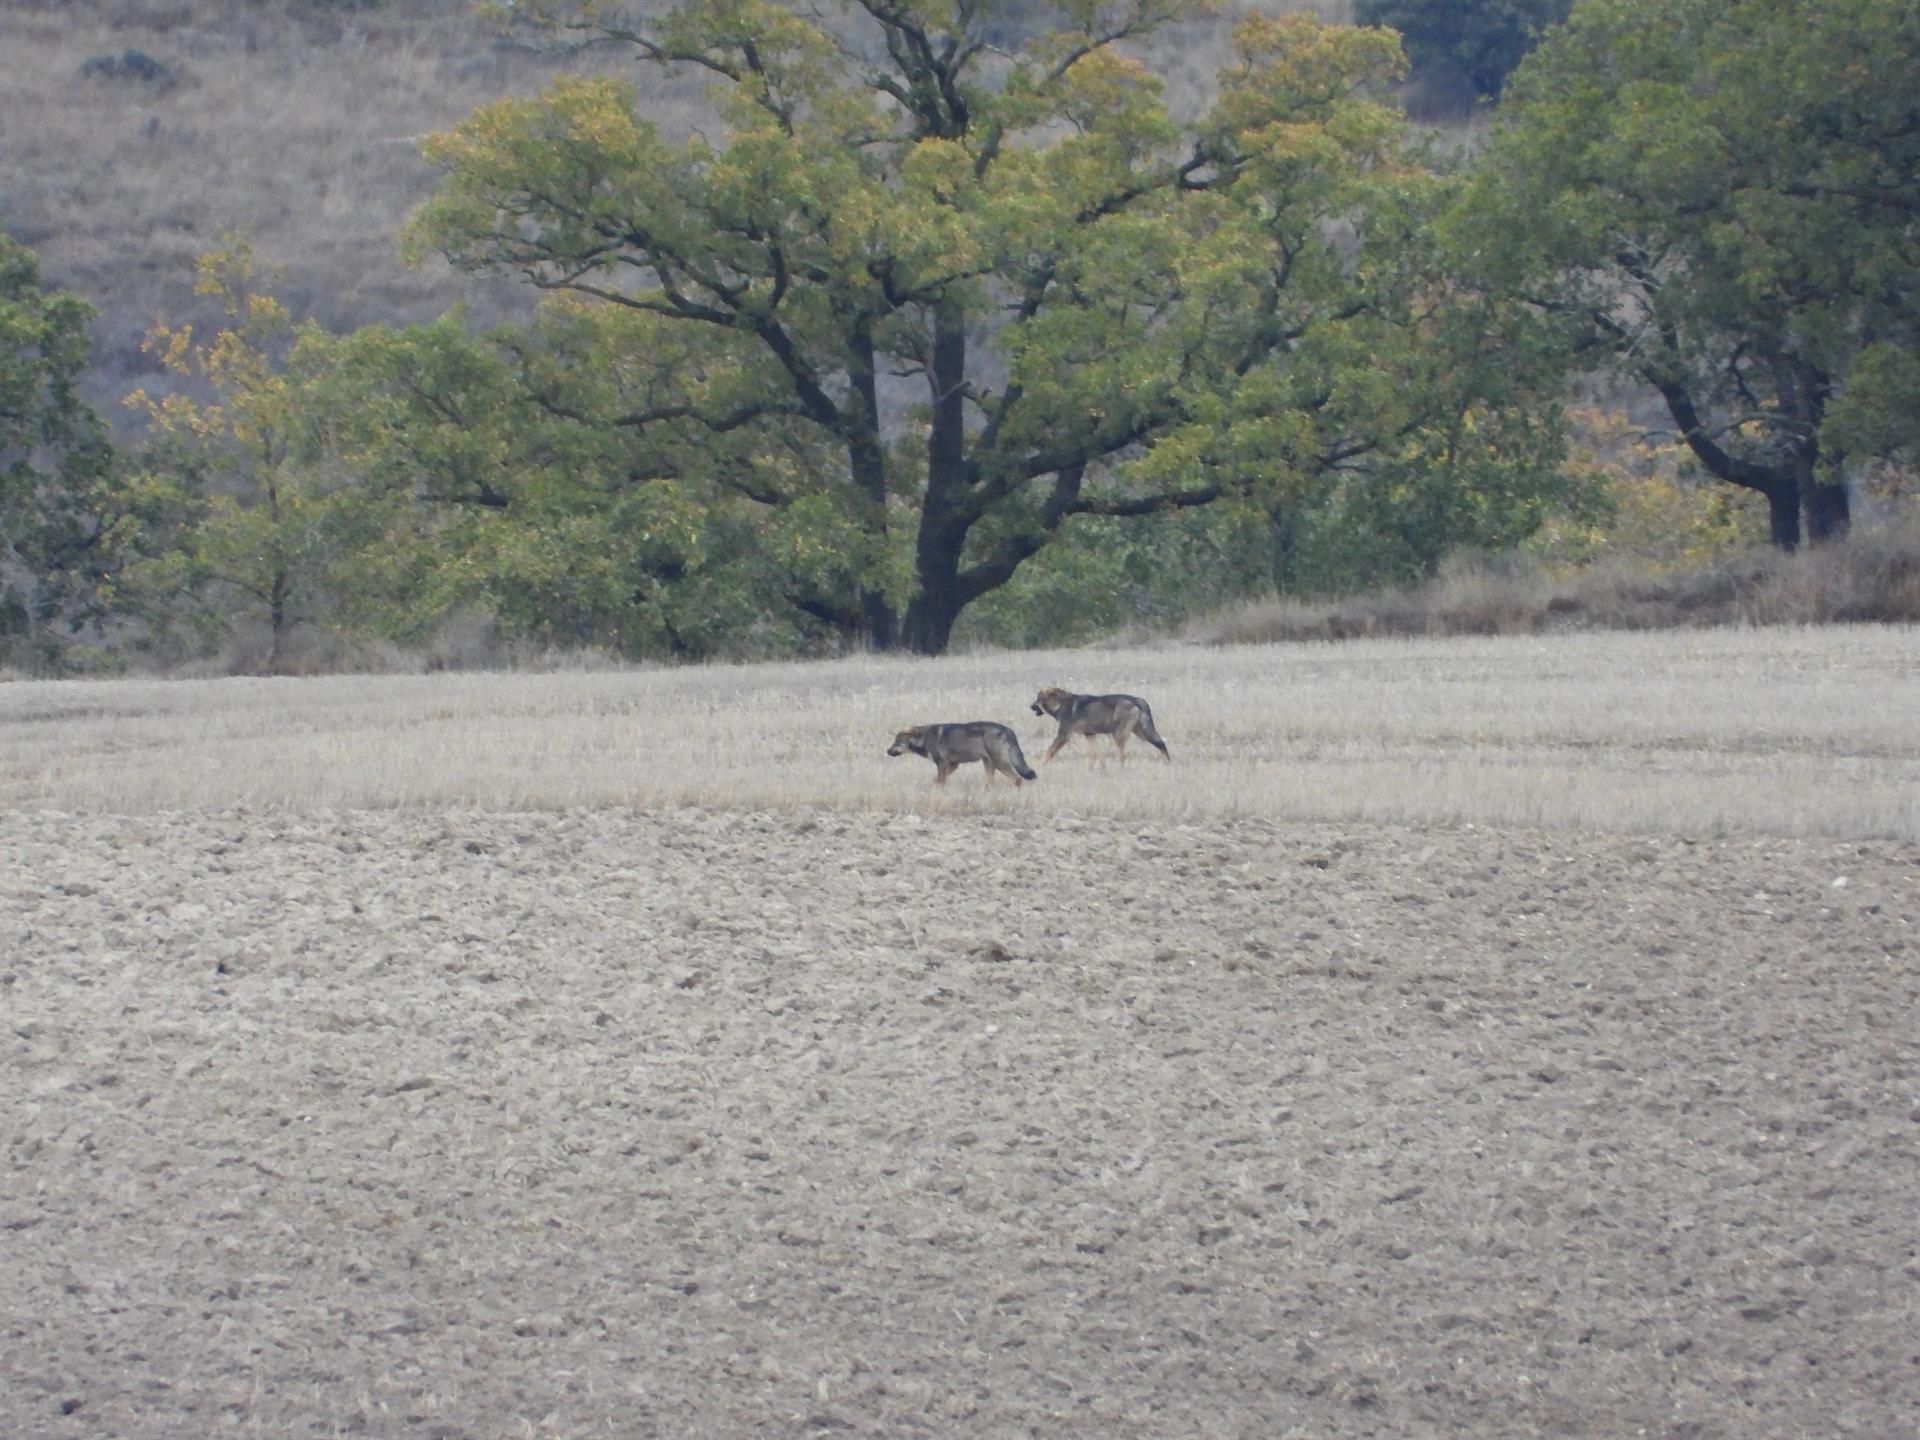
1121 716
951 746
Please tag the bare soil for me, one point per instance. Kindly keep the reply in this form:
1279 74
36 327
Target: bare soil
685 1123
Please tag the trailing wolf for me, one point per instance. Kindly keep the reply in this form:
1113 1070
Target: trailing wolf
951 746
1121 716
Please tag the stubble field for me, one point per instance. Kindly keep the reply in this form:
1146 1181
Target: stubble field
1480 1038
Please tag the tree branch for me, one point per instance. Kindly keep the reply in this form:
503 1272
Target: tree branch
1125 507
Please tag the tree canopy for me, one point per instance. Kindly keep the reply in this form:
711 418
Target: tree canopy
241 519
1722 198
925 301
491 480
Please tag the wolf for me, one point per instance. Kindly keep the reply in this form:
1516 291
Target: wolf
1121 716
951 746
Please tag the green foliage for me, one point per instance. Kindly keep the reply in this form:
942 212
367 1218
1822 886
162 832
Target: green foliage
1651 507
61 524
253 526
1478 41
1105 575
1877 415
1719 197
1106 315
496 474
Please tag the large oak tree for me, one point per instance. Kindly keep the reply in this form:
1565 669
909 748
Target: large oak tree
1098 311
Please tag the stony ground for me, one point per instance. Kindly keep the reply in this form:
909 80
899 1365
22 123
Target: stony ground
684 1124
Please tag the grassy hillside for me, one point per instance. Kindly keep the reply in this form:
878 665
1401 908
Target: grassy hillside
293 121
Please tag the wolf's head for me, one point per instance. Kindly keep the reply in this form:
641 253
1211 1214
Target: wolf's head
1049 701
911 741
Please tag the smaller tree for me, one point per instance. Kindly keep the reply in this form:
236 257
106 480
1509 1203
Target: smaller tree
1718 200
255 522
60 522
500 472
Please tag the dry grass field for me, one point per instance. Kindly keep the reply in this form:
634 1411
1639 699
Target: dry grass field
1465 1038
1785 732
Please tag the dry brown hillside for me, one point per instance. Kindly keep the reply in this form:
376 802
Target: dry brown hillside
294 123
136 132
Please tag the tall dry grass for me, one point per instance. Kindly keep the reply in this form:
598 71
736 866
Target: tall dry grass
1777 732
1871 577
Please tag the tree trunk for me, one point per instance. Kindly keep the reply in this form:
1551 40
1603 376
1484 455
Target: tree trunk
928 628
867 458
879 624
1283 544
1783 517
1805 392
1827 510
277 615
944 518
1788 481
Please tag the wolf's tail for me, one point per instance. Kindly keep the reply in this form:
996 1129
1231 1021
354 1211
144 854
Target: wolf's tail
1151 735
1020 766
